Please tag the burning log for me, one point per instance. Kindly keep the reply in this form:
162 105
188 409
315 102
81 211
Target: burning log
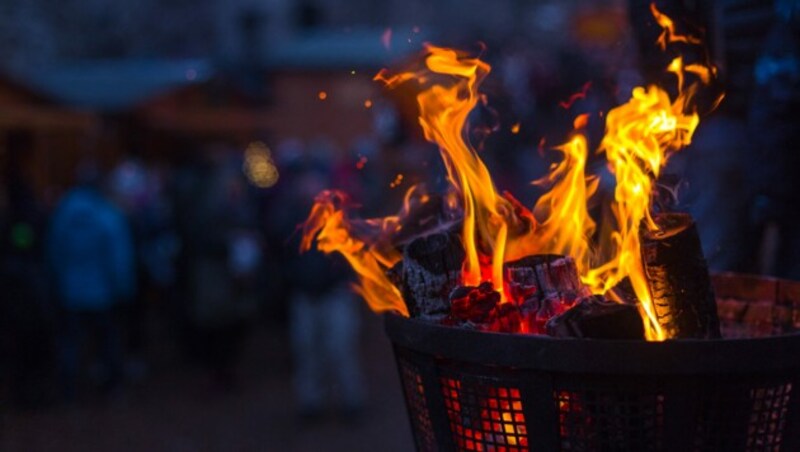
543 285
594 317
480 307
677 275
541 276
474 304
623 292
507 318
429 271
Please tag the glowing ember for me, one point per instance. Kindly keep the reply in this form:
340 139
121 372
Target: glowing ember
567 104
640 137
397 181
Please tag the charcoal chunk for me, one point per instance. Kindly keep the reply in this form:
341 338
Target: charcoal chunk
474 304
595 317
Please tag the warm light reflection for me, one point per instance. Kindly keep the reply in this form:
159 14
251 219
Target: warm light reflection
258 165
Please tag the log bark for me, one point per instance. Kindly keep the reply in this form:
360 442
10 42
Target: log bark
623 292
430 270
543 286
542 275
677 275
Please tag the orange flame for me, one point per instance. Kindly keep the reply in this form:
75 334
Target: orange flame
369 253
443 116
668 34
565 226
640 137
495 229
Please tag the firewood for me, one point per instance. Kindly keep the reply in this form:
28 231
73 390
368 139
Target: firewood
542 286
431 269
595 317
507 318
542 275
480 308
677 275
474 304
623 292
395 275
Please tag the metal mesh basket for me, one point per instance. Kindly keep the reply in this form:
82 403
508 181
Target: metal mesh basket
478 391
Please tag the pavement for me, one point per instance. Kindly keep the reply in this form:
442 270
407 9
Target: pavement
175 409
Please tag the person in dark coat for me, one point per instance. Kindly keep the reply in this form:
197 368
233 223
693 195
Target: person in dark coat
324 317
90 252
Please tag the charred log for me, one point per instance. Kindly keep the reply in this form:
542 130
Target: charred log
623 292
677 275
395 274
595 317
480 308
507 318
542 286
541 276
430 270
474 304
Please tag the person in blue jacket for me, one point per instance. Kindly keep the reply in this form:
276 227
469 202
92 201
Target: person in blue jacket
90 252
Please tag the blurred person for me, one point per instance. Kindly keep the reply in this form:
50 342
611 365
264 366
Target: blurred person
128 191
324 318
225 258
90 252
139 191
279 223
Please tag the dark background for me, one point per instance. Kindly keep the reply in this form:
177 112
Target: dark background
154 104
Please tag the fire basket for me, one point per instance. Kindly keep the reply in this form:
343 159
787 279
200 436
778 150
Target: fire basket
483 391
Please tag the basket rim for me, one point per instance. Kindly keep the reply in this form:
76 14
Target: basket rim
777 354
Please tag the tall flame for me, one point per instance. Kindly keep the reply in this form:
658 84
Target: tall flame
640 137
496 229
565 225
444 110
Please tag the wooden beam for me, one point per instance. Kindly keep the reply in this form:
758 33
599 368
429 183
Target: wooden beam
45 118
